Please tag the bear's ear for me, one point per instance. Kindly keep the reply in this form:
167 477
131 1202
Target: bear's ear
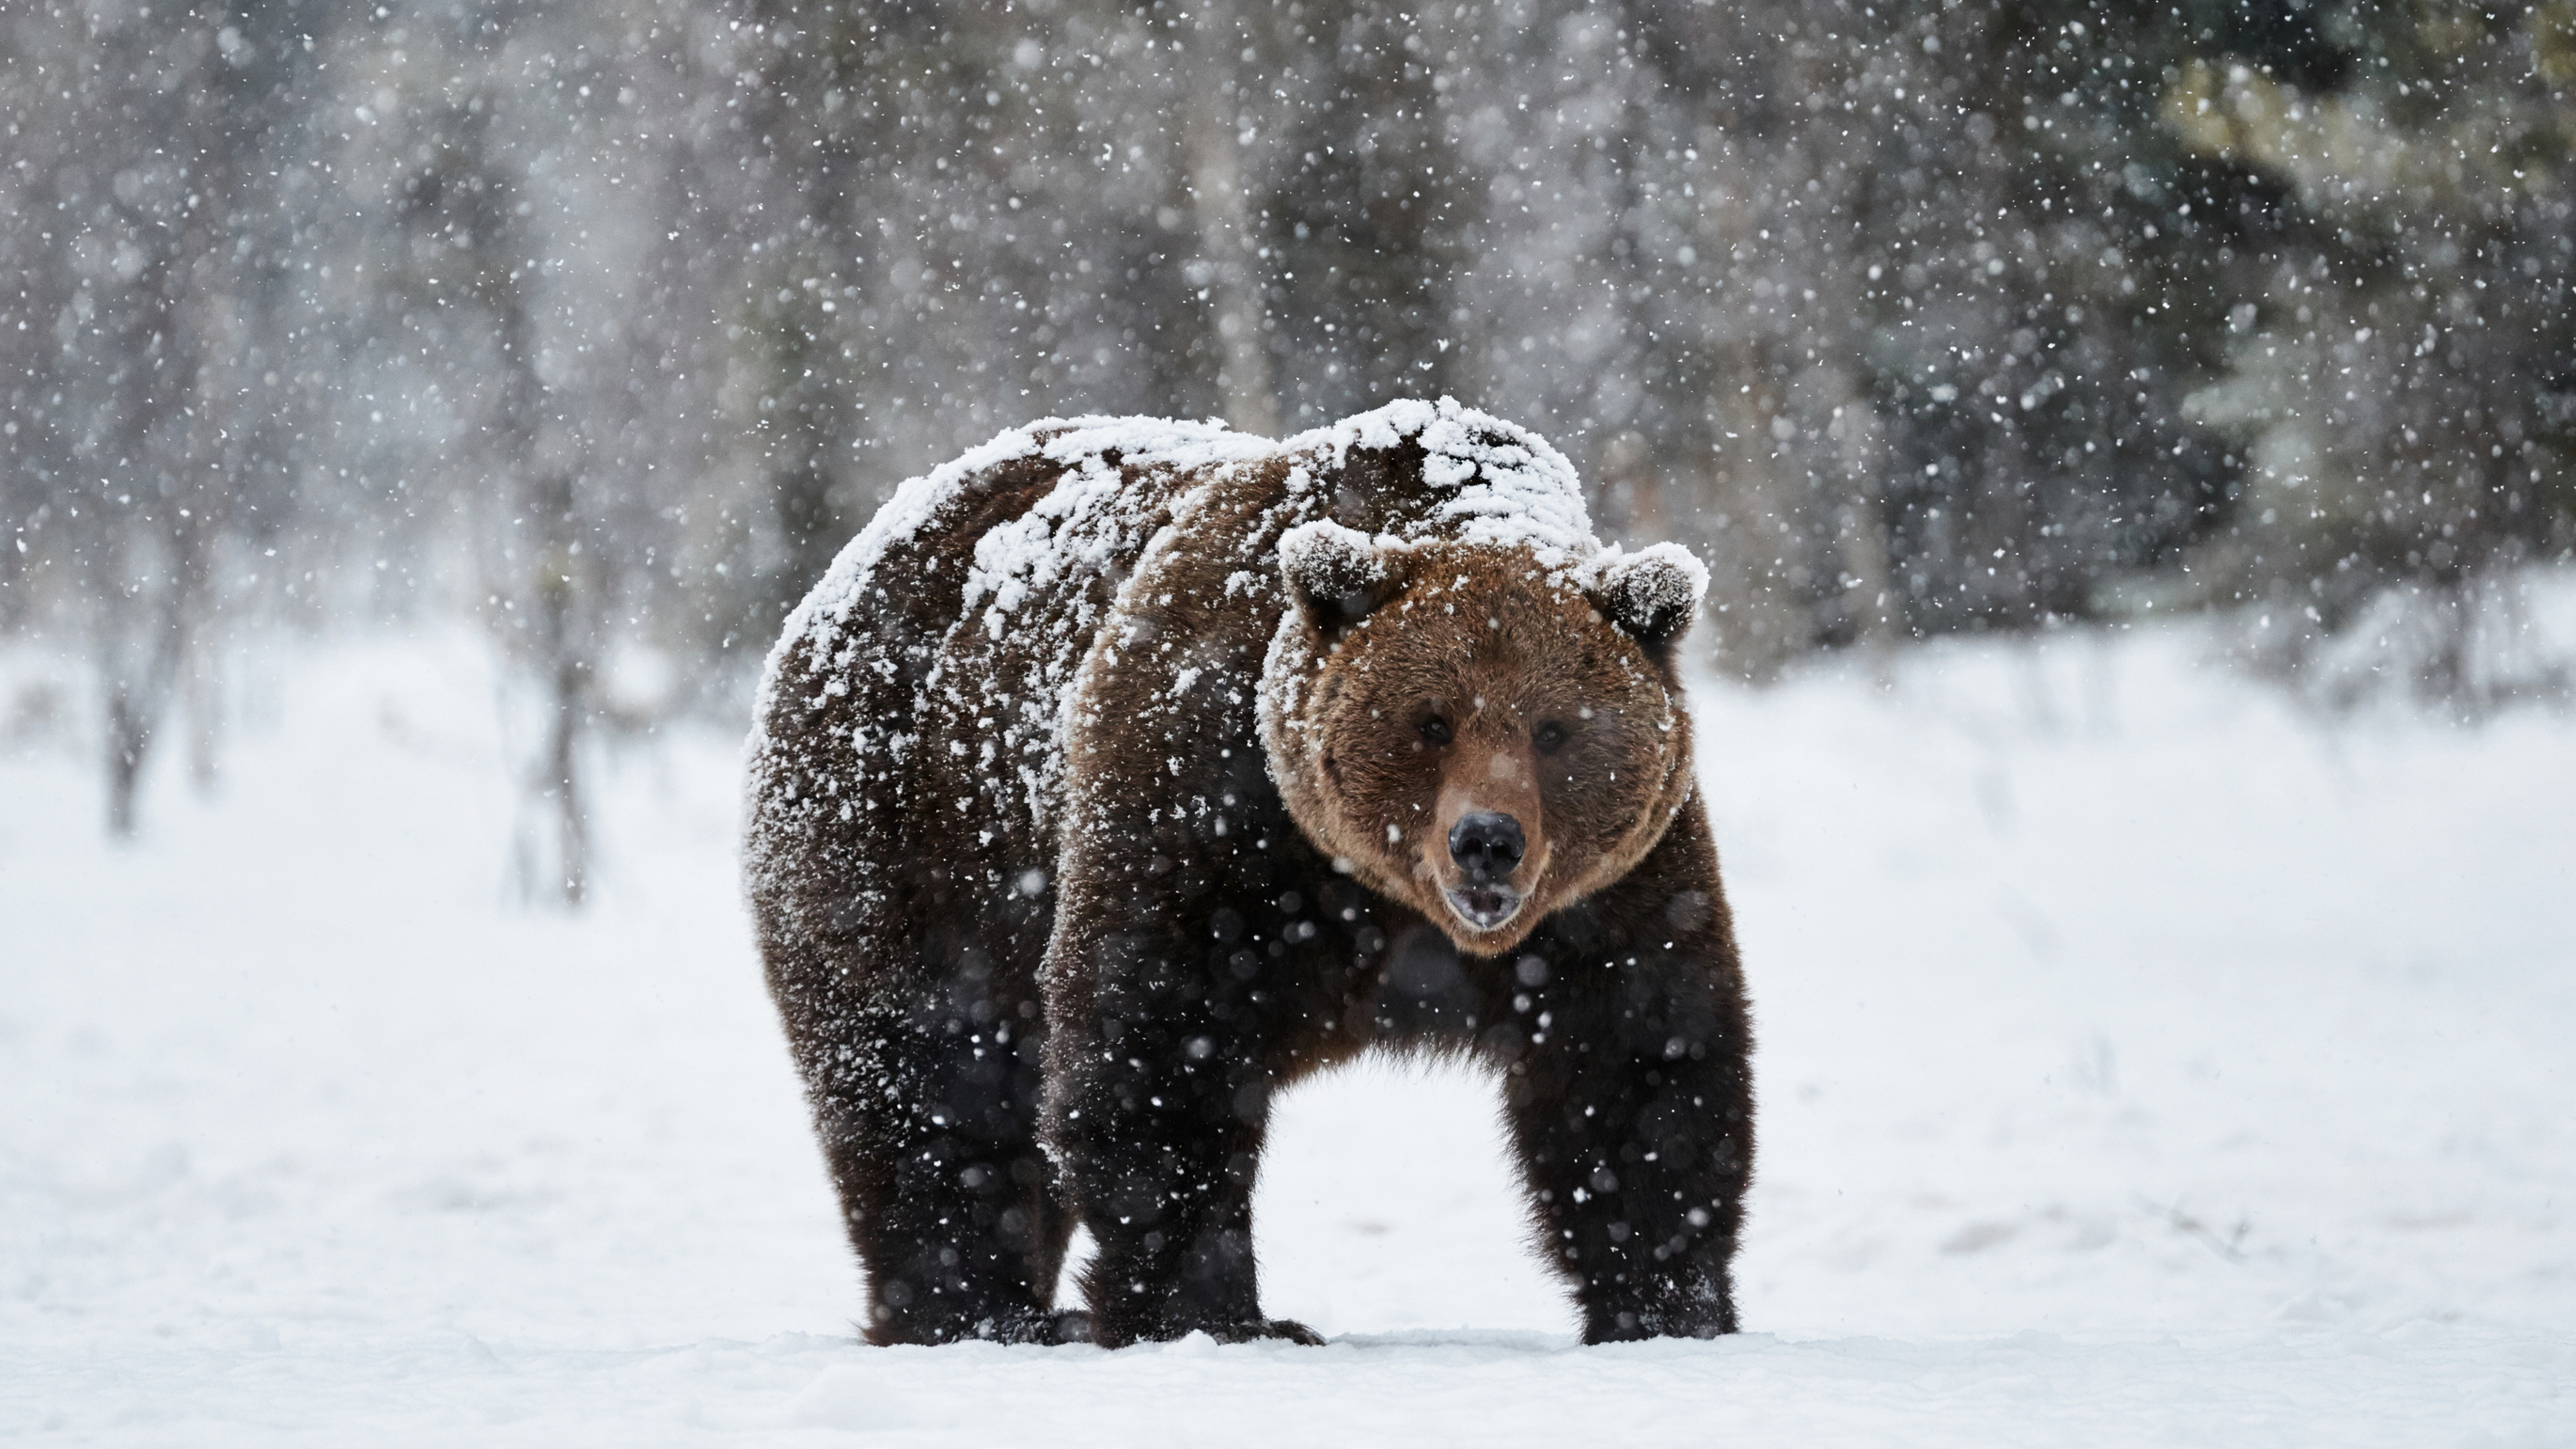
1652 594
1335 574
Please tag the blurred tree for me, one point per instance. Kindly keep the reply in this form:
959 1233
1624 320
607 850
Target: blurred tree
1945 284
466 260
146 149
1890 308
1228 45
965 217
1369 214
2409 393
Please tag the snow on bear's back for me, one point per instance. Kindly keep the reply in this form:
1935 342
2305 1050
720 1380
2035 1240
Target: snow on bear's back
1090 506
1489 481
1100 510
1506 484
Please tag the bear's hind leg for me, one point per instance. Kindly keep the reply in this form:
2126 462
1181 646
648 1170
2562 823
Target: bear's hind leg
957 1216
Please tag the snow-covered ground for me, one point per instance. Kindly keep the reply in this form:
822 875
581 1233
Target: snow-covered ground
2142 1062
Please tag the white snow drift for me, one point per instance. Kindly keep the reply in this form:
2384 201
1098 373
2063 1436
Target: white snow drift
2140 1064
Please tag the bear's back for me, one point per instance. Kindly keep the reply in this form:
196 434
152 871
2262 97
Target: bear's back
914 695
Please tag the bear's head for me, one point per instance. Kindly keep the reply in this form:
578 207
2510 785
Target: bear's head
1484 732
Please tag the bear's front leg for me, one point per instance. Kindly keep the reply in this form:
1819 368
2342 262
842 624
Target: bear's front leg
1630 1108
1158 1104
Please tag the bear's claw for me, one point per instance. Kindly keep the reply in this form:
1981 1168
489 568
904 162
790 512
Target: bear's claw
1291 1330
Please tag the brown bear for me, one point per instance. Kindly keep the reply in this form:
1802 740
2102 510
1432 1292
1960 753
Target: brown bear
1124 771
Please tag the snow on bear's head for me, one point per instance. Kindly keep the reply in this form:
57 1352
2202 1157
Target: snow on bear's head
1485 732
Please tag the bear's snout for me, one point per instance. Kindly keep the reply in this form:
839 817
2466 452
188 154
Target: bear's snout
1497 842
1487 846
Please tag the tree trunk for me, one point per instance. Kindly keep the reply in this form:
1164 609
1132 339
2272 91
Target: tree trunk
205 703
138 694
1226 244
1859 451
562 783
128 740
560 659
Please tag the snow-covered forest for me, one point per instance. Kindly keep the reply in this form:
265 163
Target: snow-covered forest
605 321
2134 447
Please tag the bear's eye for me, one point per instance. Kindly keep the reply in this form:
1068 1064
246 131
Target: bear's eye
1550 738
1436 730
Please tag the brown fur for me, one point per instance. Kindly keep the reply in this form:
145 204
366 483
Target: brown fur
1131 956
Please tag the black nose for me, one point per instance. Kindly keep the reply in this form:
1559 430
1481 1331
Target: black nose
1487 846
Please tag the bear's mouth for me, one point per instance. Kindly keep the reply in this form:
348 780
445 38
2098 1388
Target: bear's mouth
1487 908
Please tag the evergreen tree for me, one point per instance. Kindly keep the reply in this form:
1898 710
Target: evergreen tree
2409 391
